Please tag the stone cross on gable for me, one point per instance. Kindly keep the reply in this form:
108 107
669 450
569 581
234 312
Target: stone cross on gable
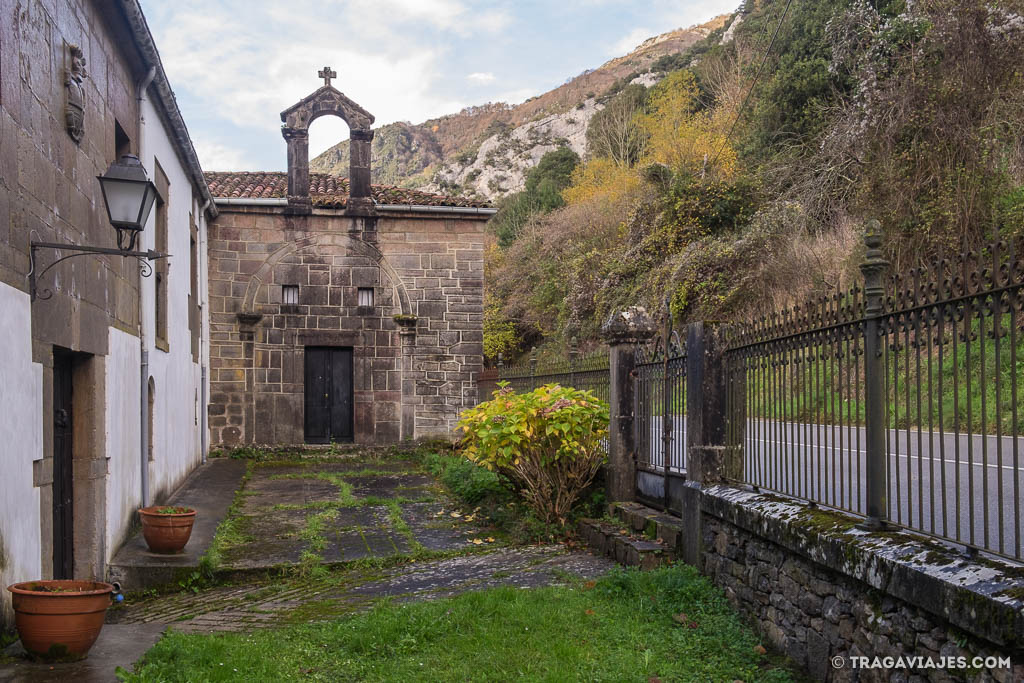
327 74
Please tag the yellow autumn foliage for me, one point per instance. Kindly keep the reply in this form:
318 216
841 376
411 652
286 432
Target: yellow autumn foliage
601 180
685 140
682 138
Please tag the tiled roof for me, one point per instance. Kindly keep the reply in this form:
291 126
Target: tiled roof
327 191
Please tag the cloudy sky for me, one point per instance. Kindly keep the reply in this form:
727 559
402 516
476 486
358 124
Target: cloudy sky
235 64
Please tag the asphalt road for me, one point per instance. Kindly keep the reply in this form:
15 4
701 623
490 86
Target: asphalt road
969 488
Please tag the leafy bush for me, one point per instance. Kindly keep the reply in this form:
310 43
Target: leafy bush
493 499
470 482
547 441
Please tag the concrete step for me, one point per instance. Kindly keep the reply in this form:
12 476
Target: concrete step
210 489
615 542
651 523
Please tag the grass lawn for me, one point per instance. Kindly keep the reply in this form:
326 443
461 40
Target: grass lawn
666 625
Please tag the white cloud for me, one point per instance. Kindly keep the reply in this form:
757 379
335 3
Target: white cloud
214 156
628 42
480 77
248 75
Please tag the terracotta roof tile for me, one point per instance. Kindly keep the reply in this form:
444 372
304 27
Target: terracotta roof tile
327 191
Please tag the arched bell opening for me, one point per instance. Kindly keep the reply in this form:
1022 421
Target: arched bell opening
328 101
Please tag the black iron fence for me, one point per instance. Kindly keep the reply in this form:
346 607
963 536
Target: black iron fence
795 401
660 415
577 370
896 402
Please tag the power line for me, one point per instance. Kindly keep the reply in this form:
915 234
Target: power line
754 83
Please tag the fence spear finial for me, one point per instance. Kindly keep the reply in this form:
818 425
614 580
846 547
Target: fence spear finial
873 267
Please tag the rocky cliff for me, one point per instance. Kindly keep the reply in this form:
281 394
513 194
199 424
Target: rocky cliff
486 150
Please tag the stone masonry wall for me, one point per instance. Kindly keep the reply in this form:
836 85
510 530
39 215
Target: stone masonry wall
425 269
49 193
441 263
48 181
813 613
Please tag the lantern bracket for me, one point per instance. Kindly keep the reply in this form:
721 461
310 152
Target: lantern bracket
146 269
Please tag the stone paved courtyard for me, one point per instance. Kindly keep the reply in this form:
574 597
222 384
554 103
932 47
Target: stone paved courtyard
337 509
314 537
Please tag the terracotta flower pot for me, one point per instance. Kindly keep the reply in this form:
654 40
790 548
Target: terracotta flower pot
59 620
166 531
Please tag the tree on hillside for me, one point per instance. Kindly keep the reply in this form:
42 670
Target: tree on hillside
681 136
543 193
613 132
935 123
550 176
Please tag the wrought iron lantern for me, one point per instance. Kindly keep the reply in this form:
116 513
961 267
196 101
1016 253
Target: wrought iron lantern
128 194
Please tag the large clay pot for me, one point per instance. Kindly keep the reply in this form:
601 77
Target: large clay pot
59 620
166 532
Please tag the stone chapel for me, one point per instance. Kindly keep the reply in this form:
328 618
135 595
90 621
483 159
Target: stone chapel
340 310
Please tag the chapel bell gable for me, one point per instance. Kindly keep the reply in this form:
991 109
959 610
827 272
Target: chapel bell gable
328 100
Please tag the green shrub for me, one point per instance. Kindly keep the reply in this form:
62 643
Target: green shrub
470 482
549 442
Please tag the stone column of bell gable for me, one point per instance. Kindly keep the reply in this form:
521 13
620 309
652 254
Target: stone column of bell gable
623 332
407 334
299 201
360 201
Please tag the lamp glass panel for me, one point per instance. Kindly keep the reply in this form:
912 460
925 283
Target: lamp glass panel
147 206
124 199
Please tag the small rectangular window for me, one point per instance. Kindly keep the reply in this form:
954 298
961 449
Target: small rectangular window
122 143
290 295
365 296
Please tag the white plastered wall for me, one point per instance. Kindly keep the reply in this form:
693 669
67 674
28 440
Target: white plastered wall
124 488
21 436
177 413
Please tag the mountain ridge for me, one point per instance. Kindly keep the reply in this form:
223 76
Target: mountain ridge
485 150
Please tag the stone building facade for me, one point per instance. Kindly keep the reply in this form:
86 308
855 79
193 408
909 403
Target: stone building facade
80 85
340 311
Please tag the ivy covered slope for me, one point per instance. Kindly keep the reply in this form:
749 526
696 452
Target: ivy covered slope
732 189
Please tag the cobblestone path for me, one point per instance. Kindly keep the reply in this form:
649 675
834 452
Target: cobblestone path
264 604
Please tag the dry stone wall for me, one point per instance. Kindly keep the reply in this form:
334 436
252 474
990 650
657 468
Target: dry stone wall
824 594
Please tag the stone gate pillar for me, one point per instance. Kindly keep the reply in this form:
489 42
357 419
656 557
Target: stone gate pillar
623 331
708 460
